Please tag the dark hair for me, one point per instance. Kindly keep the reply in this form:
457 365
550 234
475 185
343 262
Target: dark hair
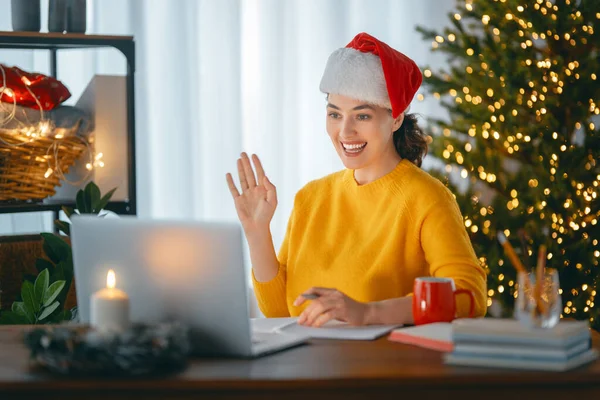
410 141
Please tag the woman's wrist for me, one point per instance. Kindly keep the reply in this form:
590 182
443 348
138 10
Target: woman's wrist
389 312
258 235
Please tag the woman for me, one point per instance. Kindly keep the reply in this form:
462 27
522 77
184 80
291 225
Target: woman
357 238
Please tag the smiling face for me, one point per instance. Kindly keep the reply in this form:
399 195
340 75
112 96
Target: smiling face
362 135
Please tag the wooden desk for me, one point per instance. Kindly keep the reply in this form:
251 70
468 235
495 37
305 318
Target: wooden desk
322 369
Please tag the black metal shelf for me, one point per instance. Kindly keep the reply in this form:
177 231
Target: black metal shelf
62 41
56 41
119 207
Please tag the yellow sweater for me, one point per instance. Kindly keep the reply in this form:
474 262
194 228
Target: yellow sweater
371 241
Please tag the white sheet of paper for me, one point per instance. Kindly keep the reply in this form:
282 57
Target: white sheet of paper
331 330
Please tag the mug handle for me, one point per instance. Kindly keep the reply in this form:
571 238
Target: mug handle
471 297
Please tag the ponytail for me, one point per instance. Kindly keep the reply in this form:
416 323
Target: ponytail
410 141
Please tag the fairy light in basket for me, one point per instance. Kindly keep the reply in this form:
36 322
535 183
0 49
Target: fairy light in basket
43 132
98 160
44 128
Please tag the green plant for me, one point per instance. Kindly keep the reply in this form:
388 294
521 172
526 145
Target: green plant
43 296
38 299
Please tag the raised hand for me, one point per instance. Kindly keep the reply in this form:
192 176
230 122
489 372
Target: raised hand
256 204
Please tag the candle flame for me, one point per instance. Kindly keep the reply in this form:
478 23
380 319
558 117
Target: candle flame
111 280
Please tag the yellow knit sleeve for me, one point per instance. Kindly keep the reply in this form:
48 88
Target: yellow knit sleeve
449 253
271 296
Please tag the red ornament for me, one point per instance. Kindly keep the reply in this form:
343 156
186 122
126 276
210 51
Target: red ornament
23 86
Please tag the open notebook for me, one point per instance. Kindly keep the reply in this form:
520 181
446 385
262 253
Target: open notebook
436 336
331 330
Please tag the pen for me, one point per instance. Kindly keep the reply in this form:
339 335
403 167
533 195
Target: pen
510 252
310 296
541 265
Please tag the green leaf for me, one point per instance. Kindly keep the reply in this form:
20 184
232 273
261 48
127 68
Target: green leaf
59 272
55 247
53 292
104 200
92 196
63 227
63 272
40 286
73 313
48 310
11 318
28 299
80 202
42 264
18 308
68 211
58 317
67 266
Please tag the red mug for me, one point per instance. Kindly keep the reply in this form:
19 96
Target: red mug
434 300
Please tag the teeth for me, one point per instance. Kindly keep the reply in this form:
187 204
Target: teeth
354 146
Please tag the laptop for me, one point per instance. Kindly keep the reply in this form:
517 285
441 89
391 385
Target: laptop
188 271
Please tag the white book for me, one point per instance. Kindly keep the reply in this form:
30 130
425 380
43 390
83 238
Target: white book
511 331
331 330
520 352
526 364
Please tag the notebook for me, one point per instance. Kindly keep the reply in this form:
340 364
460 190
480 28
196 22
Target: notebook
522 352
436 336
515 363
331 330
506 343
507 334
511 331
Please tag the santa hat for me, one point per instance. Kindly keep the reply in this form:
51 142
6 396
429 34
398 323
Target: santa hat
370 70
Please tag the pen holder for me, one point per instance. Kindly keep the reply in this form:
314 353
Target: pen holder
538 304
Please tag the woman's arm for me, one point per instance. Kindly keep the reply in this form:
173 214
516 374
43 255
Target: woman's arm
450 254
268 276
262 255
255 206
391 311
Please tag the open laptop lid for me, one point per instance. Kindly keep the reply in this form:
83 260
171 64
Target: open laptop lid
186 270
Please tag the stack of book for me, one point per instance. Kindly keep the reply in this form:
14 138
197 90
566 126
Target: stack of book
506 343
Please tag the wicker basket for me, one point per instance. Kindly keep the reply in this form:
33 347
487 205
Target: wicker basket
24 166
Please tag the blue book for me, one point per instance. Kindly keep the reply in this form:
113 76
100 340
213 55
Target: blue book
521 363
521 352
505 331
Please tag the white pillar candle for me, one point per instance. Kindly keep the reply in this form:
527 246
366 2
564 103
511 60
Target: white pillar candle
109 308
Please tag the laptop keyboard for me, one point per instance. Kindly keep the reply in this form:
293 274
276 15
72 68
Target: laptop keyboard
260 337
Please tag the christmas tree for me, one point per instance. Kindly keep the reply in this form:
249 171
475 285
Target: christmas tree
522 93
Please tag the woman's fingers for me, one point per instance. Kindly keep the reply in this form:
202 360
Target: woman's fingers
242 176
324 318
260 171
271 191
317 308
231 184
250 178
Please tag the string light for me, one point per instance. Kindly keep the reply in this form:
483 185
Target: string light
510 131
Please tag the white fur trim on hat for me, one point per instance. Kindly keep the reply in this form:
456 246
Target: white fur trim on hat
355 74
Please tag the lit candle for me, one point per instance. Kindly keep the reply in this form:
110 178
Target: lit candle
109 309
